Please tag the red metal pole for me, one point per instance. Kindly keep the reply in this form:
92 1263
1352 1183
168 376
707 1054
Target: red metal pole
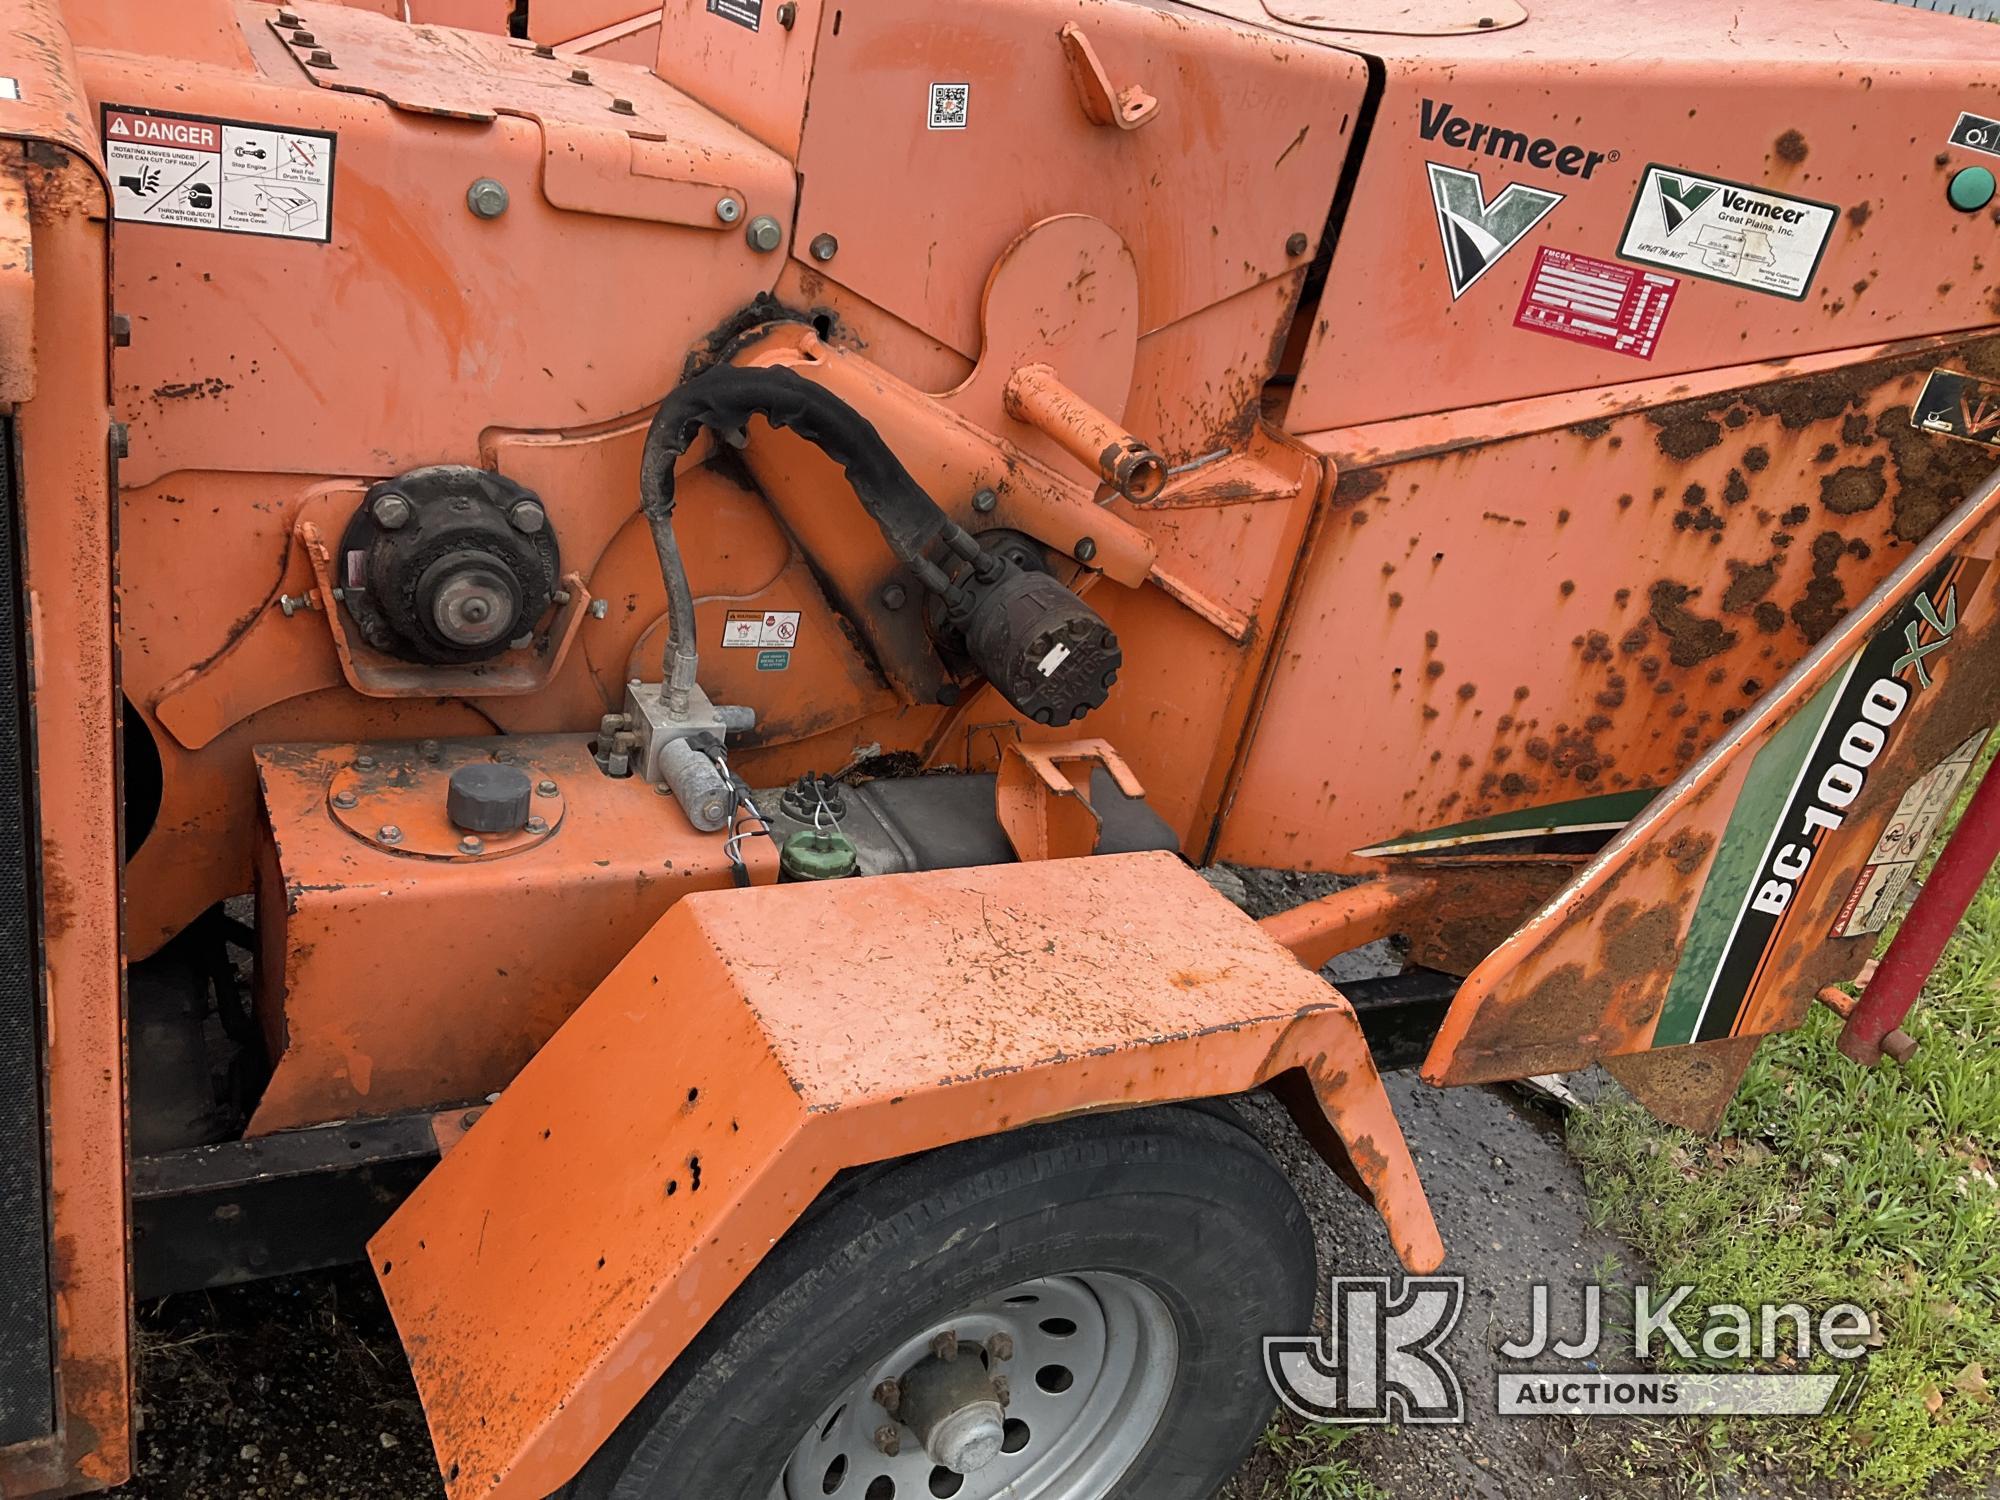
1874 1025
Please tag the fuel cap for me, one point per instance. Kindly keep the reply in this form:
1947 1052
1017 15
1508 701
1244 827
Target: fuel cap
489 798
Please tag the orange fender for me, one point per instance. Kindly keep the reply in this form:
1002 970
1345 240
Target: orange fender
755 1043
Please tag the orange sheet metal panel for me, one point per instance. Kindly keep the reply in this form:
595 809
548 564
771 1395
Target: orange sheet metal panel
1537 615
936 134
1763 875
756 1042
65 498
1805 149
407 973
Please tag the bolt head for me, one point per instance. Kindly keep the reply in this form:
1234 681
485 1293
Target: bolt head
1297 244
545 789
471 845
788 14
599 608
728 210
486 198
364 762
288 18
389 833
537 825
622 107
391 512
321 58
888 1440
1086 549
543 49
765 234
984 501
824 247
344 800
527 517
895 596
579 75
304 39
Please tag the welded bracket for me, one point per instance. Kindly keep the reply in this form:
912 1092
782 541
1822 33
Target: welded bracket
1042 796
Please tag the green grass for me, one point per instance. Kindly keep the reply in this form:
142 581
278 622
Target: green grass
1828 1183
1308 1465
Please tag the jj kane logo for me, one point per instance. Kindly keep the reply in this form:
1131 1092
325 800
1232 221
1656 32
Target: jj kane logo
1384 1361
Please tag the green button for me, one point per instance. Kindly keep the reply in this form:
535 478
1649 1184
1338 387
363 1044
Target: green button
1971 189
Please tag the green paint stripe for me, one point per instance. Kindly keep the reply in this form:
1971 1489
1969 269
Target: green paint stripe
1607 810
1753 821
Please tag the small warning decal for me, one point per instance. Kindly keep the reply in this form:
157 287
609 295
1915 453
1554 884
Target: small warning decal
1959 406
1977 133
1894 859
1596 302
200 173
759 629
1724 231
746 13
10 88
951 104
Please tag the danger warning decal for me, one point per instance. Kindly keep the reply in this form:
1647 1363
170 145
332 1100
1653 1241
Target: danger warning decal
195 172
1596 302
1794 805
1725 231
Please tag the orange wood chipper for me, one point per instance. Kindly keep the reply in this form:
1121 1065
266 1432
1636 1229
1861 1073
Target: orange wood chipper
625 629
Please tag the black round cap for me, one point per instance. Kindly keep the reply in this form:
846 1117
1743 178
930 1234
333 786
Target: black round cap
489 798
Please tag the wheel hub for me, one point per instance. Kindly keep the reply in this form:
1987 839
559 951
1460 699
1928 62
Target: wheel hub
1053 1389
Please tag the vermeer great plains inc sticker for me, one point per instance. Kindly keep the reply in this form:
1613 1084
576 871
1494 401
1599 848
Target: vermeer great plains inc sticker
194 172
1596 302
1725 231
1959 406
1476 233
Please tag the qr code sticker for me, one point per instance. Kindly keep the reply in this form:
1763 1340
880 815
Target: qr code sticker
948 105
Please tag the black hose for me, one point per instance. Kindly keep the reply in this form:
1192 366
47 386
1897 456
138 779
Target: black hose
723 399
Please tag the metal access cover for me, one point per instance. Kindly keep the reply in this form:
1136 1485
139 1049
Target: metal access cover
1399 17
393 797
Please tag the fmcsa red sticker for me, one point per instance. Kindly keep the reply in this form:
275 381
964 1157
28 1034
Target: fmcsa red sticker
1597 302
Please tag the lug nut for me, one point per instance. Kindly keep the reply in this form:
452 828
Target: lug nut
527 517
824 247
888 1440
765 234
471 845
389 833
391 512
344 800
1001 1346
487 198
1003 1391
728 210
945 1345
888 1395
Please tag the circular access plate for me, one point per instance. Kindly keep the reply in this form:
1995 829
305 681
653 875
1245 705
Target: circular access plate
392 796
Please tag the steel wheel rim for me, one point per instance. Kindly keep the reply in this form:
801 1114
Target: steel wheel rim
1094 1360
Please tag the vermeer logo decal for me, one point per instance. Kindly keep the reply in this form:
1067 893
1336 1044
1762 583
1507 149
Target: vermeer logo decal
1679 198
1438 123
1475 232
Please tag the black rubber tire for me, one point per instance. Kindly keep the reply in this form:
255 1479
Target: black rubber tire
1175 1197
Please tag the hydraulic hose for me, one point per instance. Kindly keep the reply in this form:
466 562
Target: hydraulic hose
723 399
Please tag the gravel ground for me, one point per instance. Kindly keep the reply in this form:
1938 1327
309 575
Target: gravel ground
298 1388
